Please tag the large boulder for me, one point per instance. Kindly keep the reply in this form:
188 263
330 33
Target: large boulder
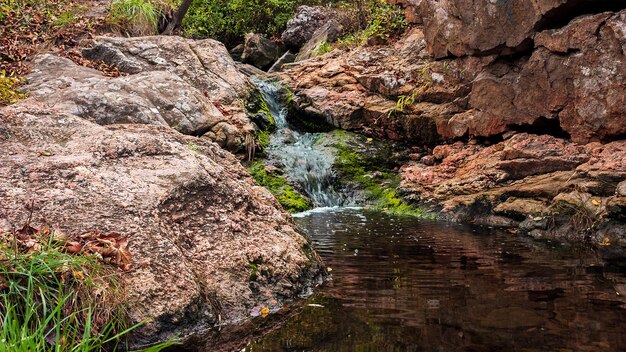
306 21
192 86
194 218
461 28
260 51
158 98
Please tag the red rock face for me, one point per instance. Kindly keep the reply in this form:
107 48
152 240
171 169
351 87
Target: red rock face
461 28
575 76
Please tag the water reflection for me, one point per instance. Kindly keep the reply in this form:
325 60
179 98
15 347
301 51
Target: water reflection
406 285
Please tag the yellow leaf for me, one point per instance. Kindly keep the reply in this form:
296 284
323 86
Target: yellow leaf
605 242
265 311
595 202
329 269
370 139
78 274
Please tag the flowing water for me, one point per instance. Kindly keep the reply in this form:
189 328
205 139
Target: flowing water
300 156
405 284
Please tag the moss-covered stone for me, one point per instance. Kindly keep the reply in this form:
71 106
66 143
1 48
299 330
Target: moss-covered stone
371 172
291 200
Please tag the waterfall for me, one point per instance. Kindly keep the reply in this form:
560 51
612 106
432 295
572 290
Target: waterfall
304 160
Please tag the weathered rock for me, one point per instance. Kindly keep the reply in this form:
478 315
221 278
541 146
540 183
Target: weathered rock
357 90
205 64
194 217
326 34
287 58
573 81
521 207
236 52
158 98
259 51
459 28
306 21
621 189
192 86
526 175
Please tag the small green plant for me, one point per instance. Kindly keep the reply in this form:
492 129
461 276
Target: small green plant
134 17
193 147
325 47
9 89
265 110
424 81
65 18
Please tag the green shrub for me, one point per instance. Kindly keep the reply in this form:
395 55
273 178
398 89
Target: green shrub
384 21
9 89
134 17
230 20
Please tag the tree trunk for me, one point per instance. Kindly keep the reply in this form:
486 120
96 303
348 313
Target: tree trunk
177 20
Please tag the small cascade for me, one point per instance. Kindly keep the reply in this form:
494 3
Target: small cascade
304 160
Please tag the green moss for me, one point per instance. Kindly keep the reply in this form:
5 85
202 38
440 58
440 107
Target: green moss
381 191
287 196
265 110
264 138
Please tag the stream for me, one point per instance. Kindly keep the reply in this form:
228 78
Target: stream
405 284
408 284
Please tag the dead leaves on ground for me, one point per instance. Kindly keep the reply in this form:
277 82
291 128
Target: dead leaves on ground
110 247
30 26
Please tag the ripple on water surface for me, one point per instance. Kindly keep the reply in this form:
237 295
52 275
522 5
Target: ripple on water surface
401 284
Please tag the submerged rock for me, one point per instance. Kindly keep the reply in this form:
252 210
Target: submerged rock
194 218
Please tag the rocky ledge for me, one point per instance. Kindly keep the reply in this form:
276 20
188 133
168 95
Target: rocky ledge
541 185
191 86
522 101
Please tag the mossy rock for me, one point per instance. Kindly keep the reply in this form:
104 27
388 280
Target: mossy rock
291 200
367 165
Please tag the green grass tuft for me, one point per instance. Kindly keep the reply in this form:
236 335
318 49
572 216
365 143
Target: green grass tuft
134 17
51 300
324 48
